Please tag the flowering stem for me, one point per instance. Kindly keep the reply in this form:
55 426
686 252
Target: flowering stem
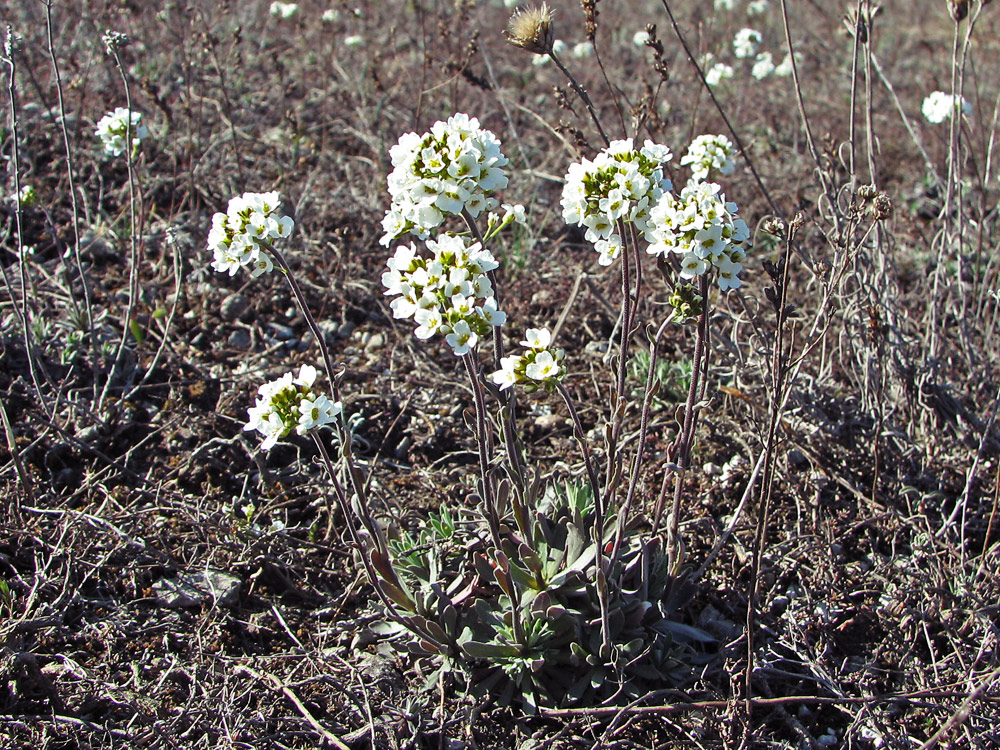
134 230
507 398
682 449
643 433
603 564
357 482
484 438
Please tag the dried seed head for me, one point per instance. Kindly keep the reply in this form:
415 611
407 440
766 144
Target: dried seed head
531 29
867 192
959 9
881 207
774 225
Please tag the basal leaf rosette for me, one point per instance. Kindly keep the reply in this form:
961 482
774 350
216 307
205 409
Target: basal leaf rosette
446 292
621 184
701 227
237 236
455 167
540 366
290 403
708 154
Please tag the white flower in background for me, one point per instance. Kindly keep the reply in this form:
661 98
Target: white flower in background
290 403
620 185
746 42
449 293
539 367
763 66
718 73
757 7
707 154
354 40
27 196
701 227
284 10
725 5
237 236
640 38
784 68
111 129
456 167
331 15
939 106
582 50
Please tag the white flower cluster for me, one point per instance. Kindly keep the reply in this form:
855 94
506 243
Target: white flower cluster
455 167
746 42
540 366
284 10
111 130
236 236
448 293
702 227
28 196
290 403
939 106
718 73
708 153
621 184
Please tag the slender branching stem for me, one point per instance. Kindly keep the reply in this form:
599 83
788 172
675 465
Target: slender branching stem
74 201
133 230
582 93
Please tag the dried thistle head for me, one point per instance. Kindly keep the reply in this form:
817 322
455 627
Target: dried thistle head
531 29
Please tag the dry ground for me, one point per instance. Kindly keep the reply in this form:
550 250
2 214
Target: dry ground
876 622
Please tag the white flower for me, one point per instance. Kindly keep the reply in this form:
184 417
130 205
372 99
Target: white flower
784 68
112 128
707 154
763 66
536 338
701 227
543 367
746 42
506 376
27 196
581 50
284 10
316 411
615 187
237 237
718 73
454 168
539 367
290 403
725 5
757 7
462 338
939 106
640 38
513 212
355 40
445 290
331 15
